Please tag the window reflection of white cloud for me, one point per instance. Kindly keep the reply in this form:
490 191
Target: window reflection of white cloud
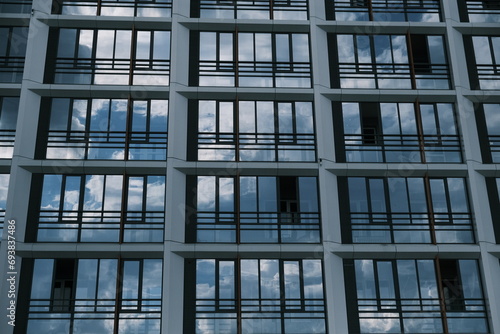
118 155
482 50
156 195
206 193
387 323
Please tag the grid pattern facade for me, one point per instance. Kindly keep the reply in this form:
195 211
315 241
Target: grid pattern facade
231 167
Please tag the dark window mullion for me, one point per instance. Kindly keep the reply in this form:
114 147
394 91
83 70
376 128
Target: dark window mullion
301 283
283 296
442 302
123 207
397 294
430 208
129 125
388 208
133 55
81 202
277 134
236 128
93 58
420 130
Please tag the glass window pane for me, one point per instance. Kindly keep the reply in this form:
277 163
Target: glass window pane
108 270
247 117
105 44
143 45
8 114
304 117
41 287
357 194
282 47
130 288
365 279
265 117
250 279
206 193
270 280
155 196
152 276
226 194
308 194
267 194
86 279
205 279
248 194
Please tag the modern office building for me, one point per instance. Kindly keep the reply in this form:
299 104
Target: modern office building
249 167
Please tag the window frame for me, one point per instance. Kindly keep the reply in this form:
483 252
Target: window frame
411 73
115 226
238 144
114 70
273 73
280 307
89 144
372 8
278 227
416 145
272 7
437 306
65 7
434 222
112 309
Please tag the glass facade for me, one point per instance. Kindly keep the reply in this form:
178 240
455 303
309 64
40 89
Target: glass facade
114 129
257 296
411 61
253 131
70 296
101 208
398 132
101 56
416 296
384 10
408 210
263 9
13 41
253 209
151 8
251 59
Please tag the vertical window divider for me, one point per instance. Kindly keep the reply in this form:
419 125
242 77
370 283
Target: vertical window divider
420 130
123 211
93 59
430 210
81 202
281 270
99 4
118 293
236 128
397 293
271 12
442 304
128 127
237 204
235 55
301 284
411 60
88 117
237 269
133 49
277 134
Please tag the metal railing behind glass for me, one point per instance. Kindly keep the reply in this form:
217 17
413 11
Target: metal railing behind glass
402 148
100 226
407 227
253 9
261 227
257 146
387 10
150 8
118 145
16 6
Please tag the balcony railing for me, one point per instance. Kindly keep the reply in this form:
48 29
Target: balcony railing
394 76
150 8
402 148
11 69
7 138
107 145
386 10
481 10
257 146
16 6
261 227
253 9
100 226
406 227
255 74
112 71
